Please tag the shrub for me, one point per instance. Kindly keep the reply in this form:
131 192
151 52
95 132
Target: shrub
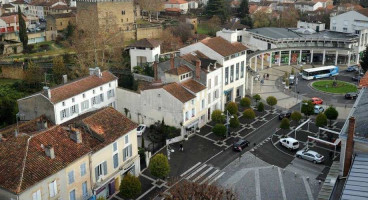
245 102
219 130
130 186
257 97
292 71
296 116
44 47
271 101
249 114
285 123
159 166
331 114
232 107
234 122
260 107
217 116
321 120
307 108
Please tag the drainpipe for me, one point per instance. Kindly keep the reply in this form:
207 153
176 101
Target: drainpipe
90 170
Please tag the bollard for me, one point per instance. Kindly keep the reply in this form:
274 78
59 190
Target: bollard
308 178
295 174
319 181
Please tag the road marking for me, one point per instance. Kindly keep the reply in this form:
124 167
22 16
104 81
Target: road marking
194 173
147 177
282 184
210 176
307 188
200 176
258 186
190 169
205 137
217 177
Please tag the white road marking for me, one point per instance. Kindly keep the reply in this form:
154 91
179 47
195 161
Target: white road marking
183 174
307 188
215 179
282 184
210 176
194 173
200 176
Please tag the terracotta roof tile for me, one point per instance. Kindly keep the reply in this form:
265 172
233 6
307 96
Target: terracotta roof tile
11 18
363 11
177 1
179 70
222 46
179 92
73 88
146 43
193 85
364 80
173 9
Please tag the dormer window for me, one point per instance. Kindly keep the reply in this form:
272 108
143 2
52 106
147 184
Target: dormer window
63 103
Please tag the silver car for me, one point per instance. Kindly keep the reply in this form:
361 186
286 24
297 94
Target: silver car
310 155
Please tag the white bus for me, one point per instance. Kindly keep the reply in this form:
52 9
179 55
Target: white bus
320 72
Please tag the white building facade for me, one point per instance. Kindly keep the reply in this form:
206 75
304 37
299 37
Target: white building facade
181 5
144 51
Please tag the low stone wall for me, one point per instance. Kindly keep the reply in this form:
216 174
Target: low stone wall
12 72
149 32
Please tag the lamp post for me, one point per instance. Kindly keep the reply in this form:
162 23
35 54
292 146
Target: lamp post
228 122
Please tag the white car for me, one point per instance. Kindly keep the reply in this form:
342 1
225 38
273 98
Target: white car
290 143
310 155
318 109
140 129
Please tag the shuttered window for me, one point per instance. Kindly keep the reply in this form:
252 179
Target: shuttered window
53 189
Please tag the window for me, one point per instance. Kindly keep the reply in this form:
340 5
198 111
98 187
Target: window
74 109
186 115
193 112
345 29
242 69
122 20
37 195
72 195
83 169
209 98
101 98
216 80
209 83
85 105
110 94
84 189
186 75
226 58
101 170
109 84
123 12
126 138
114 146
232 73
334 28
53 189
226 75
73 100
237 71
127 152
101 88
193 102
64 113
115 159
63 103
71 177
93 101
203 103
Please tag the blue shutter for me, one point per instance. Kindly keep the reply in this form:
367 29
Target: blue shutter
124 154
84 189
105 167
96 173
72 195
130 150
116 160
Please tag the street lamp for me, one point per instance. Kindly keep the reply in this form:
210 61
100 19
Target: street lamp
228 122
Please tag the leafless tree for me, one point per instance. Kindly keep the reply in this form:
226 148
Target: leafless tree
151 6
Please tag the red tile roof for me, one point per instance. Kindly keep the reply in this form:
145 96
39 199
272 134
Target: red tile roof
364 80
179 92
73 88
173 9
146 43
12 18
179 70
222 46
193 85
177 2
24 162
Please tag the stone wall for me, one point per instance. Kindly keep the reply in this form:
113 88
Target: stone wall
12 72
149 32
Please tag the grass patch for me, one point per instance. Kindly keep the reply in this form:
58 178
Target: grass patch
5 81
203 29
341 87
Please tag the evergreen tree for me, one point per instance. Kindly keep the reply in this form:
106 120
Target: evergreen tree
217 7
243 9
23 37
364 62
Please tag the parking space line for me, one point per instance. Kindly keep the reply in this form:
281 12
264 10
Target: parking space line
194 173
210 176
217 177
204 173
282 184
190 169
307 188
258 185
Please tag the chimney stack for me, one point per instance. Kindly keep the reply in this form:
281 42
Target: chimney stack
65 79
198 69
76 136
49 150
95 71
349 146
172 61
41 124
47 92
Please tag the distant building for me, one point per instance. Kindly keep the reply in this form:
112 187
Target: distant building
180 6
316 26
57 23
68 101
307 6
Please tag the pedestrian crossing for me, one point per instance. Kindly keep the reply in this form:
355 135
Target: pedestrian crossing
203 173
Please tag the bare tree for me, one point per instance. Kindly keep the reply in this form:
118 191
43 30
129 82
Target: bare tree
183 30
193 190
151 6
170 41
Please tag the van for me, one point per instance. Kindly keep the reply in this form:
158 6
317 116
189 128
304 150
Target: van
290 143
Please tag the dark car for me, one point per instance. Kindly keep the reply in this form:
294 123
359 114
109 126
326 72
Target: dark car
284 114
352 68
351 95
240 145
356 78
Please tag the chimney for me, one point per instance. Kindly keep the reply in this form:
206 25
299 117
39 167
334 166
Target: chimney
47 92
215 65
198 69
95 71
16 132
65 79
49 150
172 61
155 71
76 136
349 146
41 124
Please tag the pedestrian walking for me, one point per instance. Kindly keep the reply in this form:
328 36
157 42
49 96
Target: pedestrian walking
181 147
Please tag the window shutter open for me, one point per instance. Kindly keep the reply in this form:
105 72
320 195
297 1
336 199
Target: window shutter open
130 150
105 167
96 173
124 154
51 189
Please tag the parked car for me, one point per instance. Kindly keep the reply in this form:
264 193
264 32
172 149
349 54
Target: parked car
140 129
351 95
356 78
284 114
318 109
316 101
291 80
352 68
290 143
240 145
310 155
